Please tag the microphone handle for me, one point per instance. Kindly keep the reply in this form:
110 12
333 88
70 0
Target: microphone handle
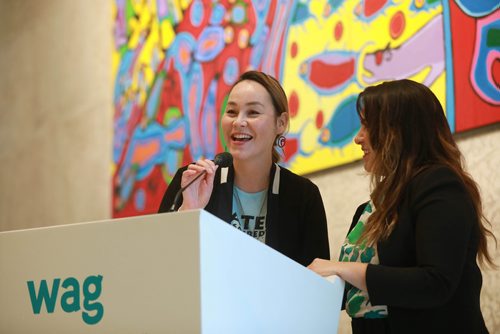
180 191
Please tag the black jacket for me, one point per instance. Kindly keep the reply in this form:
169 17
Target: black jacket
296 220
428 275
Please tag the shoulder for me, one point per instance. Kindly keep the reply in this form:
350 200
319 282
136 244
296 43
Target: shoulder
435 176
437 183
291 180
435 172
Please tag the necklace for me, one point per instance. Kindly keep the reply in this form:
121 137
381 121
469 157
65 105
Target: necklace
240 206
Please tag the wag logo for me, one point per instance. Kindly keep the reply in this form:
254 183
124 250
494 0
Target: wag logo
70 298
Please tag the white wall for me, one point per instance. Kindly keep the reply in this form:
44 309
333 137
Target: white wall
56 129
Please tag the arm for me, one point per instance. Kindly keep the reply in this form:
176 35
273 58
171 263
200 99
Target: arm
352 272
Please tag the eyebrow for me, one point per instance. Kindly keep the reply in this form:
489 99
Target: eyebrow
252 103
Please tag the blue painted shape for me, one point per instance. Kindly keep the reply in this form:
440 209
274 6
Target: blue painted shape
478 8
216 36
343 125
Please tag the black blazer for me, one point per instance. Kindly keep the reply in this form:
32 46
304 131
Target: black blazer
296 220
428 275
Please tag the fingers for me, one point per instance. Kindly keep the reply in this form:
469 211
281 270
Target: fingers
194 170
315 262
322 267
203 164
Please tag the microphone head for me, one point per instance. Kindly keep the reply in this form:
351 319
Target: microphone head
224 159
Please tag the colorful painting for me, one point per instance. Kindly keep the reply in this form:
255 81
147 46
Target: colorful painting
174 62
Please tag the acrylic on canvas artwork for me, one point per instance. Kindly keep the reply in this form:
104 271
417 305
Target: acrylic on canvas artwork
174 62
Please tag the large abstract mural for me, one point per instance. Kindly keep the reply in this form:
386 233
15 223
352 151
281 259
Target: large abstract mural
174 62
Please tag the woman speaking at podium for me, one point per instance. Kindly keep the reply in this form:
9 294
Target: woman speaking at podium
410 254
255 194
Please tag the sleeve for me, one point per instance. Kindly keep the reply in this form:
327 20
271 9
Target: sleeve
316 244
443 218
169 196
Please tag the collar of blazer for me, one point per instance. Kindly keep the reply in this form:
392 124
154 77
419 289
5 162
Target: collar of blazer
275 169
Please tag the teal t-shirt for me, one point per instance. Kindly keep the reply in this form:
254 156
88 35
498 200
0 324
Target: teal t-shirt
249 212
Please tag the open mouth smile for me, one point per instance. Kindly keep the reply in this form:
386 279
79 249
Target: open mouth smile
241 137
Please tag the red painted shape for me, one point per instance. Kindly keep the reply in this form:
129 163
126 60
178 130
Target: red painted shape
373 6
319 119
397 25
331 75
294 49
290 149
379 57
495 71
293 104
338 31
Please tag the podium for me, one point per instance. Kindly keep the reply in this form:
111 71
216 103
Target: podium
182 272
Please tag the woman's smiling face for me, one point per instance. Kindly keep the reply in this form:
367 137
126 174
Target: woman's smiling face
250 124
363 139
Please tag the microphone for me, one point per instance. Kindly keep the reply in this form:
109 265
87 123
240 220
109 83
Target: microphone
224 159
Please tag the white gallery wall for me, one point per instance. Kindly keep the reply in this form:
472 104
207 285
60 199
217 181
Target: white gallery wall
56 115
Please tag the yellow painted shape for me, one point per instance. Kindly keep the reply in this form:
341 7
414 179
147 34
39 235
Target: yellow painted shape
167 34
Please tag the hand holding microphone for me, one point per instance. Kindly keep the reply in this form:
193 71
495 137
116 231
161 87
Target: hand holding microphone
197 181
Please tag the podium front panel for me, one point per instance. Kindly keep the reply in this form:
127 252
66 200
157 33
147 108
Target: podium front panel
146 268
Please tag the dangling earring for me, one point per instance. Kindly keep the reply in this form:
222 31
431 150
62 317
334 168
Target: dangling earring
280 141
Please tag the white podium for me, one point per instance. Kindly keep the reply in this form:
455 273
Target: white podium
183 272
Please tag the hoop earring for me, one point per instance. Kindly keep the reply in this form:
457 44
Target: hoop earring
280 141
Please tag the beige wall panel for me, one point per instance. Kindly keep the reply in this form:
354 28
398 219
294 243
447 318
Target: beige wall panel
55 112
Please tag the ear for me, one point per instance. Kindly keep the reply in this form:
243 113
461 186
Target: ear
282 122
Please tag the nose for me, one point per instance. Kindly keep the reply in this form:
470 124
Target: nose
359 136
240 121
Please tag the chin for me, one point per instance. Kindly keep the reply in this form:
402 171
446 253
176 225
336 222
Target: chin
237 155
368 167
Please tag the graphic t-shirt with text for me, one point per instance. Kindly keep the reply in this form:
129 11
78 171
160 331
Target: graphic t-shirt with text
249 213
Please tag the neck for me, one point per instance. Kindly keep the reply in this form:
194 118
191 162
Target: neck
251 177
